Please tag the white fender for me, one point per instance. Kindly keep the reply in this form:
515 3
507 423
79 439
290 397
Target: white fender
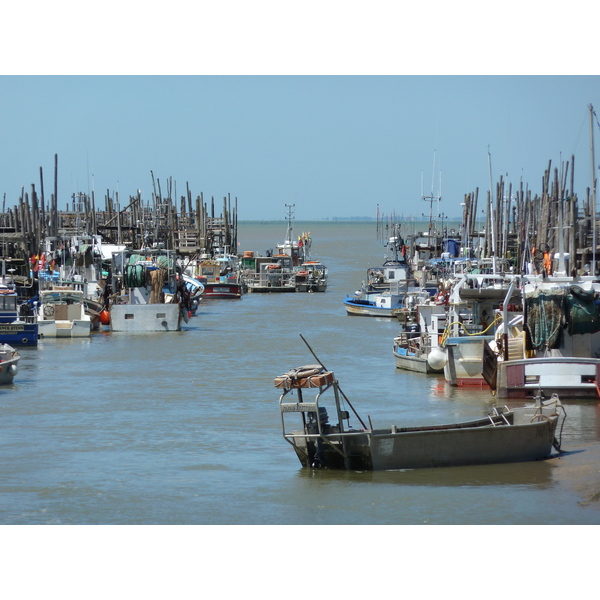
437 358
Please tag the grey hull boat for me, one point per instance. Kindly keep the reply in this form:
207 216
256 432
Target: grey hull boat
9 364
505 435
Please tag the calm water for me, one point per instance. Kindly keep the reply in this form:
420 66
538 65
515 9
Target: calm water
183 428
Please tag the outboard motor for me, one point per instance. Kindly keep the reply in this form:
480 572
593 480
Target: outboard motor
312 428
311 424
413 331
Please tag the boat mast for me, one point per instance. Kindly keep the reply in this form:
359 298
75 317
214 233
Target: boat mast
492 223
431 198
290 219
593 189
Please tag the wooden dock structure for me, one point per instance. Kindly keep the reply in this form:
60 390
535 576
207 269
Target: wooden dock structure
517 224
187 225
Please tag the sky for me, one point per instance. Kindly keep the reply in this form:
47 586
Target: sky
336 131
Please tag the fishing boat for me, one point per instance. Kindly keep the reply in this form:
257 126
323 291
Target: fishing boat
61 313
271 275
149 292
385 289
399 302
16 328
553 345
504 435
219 276
79 262
418 337
9 361
311 276
473 318
287 268
375 304
195 289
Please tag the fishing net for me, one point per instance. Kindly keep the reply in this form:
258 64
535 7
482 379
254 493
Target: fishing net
545 317
582 311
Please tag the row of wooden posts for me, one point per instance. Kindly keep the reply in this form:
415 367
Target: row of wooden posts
190 228
520 225
514 223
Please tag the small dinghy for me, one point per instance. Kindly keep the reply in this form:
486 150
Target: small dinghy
9 360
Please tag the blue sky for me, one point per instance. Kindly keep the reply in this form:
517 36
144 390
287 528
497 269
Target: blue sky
335 145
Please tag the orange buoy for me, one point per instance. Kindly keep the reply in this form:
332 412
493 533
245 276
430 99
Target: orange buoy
105 317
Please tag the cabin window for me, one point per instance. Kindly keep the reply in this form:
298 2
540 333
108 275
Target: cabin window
8 303
128 316
391 274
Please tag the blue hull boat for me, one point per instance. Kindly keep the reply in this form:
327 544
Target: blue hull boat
15 330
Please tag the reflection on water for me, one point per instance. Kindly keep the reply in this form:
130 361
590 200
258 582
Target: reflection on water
536 475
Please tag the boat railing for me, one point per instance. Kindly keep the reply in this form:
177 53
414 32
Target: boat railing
275 279
419 344
498 414
27 319
317 427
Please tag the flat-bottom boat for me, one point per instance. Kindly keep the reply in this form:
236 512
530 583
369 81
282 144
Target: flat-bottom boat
505 435
411 352
9 360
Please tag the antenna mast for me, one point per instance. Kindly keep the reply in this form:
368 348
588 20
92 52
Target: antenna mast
593 189
290 219
431 199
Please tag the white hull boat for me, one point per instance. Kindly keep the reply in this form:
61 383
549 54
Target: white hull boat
62 313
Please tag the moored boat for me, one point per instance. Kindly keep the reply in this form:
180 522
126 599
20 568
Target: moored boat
149 298
473 318
504 435
311 276
271 274
61 313
553 345
386 287
288 269
195 289
15 329
419 337
374 304
9 361
219 278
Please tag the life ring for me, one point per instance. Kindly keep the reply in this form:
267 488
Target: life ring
303 273
48 310
273 266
